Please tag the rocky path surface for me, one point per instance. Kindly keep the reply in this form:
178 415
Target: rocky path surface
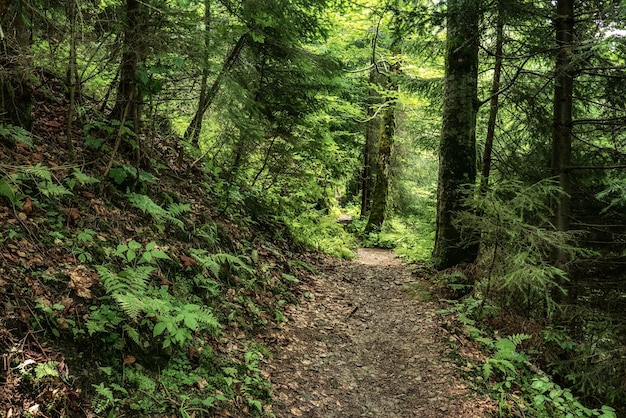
363 345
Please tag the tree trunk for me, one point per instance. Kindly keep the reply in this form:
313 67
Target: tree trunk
73 82
205 101
385 149
563 105
129 98
372 138
457 149
562 125
15 91
493 109
196 124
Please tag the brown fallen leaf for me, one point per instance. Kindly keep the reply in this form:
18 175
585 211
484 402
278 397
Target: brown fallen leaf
74 215
27 206
187 261
296 412
81 279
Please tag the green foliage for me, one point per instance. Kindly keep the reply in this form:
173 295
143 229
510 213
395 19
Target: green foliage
592 338
410 238
14 134
171 214
144 304
520 387
512 223
322 233
131 177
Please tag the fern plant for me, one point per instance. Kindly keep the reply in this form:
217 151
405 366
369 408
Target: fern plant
171 214
143 304
38 180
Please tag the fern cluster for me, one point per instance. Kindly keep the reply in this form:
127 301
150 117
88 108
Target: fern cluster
142 304
160 214
38 179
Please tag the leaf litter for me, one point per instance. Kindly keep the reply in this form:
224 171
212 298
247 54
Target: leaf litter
361 345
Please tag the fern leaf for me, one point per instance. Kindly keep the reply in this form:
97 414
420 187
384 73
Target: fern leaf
177 209
49 189
146 205
7 191
38 171
131 305
132 333
84 178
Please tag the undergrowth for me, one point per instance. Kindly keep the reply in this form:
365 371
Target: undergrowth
321 232
520 388
167 315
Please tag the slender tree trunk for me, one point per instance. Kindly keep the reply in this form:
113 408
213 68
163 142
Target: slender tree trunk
372 138
129 99
72 73
493 109
457 149
385 150
196 123
563 105
562 124
15 91
193 130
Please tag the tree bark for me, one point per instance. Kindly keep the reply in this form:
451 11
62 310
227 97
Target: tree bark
372 138
196 123
457 149
73 82
205 101
129 98
562 130
495 97
563 106
385 150
15 91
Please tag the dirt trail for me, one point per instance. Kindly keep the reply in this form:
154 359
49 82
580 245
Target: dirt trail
362 346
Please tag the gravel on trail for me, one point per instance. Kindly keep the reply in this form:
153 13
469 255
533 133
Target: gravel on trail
365 342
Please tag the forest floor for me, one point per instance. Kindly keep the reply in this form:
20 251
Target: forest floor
366 342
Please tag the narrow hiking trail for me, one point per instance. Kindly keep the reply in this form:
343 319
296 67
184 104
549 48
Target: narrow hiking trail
363 345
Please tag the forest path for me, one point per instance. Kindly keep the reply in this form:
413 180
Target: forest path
363 344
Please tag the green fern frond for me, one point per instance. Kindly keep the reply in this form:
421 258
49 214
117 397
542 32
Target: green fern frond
132 333
146 205
177 209
50 189
157 306
84 178
16 134
207 261
143 382
517 339
131 280
7 191
234 262
38 171
131 305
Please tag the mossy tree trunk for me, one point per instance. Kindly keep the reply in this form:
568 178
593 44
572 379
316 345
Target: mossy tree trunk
372 138
15 91
385 150
457 150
